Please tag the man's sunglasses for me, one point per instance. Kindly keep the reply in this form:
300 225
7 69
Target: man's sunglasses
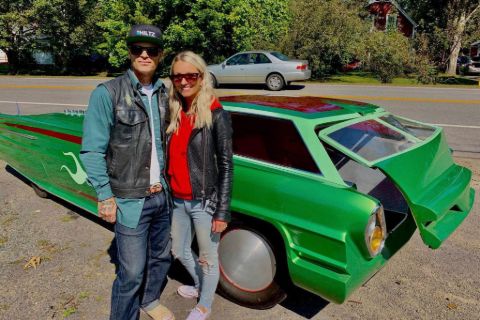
189 77
138 50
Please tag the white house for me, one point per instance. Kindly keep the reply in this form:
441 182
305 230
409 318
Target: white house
3 57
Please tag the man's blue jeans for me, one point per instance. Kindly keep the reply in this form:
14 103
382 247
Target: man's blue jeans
144 260
188 219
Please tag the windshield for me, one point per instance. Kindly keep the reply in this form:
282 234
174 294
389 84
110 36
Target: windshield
279 55
371 139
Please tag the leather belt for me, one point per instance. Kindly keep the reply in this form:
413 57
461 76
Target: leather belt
155 188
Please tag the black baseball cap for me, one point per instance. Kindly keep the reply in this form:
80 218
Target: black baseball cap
145 33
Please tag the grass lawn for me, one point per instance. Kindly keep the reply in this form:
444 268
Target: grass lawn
3 68
361 77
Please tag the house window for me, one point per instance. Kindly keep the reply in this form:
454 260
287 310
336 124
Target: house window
392 22
271 140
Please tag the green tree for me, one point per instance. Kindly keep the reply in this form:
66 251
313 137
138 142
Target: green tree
388 54
259 24
329 33
213 28
115 18
447 24
217 29
15 31
68 28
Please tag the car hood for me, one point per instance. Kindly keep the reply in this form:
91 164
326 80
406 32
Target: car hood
213 67
436 189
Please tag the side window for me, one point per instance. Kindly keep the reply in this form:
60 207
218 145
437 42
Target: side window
272 140
261 58
238 59
233 60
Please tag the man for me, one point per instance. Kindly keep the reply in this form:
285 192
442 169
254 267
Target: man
123 153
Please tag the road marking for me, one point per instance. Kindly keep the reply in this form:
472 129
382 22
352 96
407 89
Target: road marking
373 98
16 86
462 101
57 78
45 103
347 97
395 87
84 105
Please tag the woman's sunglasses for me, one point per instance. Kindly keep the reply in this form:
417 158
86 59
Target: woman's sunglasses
189 77
138 50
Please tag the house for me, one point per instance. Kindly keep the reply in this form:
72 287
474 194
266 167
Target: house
389 15
475 49
3 57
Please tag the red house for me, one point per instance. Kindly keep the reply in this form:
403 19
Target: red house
388 15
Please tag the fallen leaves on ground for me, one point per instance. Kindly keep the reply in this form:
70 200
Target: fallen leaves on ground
452 306
33 262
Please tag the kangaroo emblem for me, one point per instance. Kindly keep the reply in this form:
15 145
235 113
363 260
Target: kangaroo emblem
79 176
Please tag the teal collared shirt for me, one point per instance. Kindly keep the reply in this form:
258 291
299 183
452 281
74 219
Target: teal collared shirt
99 120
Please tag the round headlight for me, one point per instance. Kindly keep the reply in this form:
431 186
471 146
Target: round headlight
376 232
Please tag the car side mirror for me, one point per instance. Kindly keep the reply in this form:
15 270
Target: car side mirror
223 65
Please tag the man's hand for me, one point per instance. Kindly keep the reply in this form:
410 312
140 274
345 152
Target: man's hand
107 210
218 226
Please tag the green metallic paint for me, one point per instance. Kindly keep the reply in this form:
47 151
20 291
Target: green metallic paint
41 157
320 218
433 186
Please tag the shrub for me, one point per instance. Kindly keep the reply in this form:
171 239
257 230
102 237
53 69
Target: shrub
388 55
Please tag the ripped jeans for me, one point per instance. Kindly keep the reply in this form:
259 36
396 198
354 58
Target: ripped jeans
189 219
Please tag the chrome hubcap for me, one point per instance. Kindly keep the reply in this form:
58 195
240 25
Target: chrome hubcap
246 260
274 82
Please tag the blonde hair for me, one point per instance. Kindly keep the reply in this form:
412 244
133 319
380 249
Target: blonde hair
201 104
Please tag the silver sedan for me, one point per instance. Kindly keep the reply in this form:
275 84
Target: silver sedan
270 67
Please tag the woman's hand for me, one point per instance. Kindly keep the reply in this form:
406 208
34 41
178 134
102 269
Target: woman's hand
218 226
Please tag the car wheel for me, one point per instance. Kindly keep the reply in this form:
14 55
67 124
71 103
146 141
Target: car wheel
214 81
39 191
249 269
275 82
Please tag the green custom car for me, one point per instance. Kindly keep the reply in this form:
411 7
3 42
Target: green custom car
325 191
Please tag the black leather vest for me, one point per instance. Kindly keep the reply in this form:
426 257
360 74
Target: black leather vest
130 146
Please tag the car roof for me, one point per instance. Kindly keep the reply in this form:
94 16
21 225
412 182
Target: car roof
302 107
257 51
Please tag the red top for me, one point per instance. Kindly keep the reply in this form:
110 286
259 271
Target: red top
178 160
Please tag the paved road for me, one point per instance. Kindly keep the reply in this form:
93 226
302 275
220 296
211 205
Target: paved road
456 109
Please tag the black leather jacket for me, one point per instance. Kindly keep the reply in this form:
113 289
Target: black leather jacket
210 165
130 145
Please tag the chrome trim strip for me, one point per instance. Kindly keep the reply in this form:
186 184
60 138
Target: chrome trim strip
23 135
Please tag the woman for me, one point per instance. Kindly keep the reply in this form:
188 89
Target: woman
200 174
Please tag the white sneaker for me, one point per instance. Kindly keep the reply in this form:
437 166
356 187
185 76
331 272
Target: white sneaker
188 292
197 314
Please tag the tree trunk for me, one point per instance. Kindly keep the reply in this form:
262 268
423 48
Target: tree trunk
458 28
12 56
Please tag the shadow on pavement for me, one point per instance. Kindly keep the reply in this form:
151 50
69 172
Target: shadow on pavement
303 303
72 209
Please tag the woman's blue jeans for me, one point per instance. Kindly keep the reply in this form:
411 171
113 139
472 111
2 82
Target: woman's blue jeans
144 259
188 219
